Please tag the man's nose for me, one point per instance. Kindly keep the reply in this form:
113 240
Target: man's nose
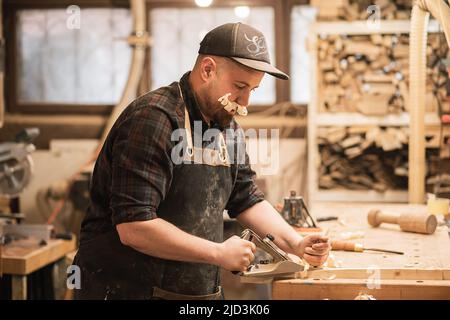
243 99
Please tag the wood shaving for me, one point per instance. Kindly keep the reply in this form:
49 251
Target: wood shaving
304 273
364 296
330 277
331 261
352 235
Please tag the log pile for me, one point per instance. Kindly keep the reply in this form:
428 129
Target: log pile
350 10
439 71
367 158
370 73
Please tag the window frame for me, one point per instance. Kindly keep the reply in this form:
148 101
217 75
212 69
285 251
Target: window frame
91 118
11 8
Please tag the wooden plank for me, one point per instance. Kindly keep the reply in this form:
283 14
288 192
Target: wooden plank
252 121
385 273
362 27
51 127
351 119
348 289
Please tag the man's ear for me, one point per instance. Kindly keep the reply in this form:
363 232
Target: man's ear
208 68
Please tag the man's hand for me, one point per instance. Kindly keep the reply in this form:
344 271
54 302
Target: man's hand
236 254
314 249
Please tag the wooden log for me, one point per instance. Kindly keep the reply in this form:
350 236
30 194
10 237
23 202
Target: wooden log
401 51
351 12
378 77
359 66
374 105
364 48
329 10
377 88
346 80
335 135
351 141
331 77
381 62
353 152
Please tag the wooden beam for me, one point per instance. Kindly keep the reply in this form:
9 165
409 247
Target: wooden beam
271 121
282 28
54 127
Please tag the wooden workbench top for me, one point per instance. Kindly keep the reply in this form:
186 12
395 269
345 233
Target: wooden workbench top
424 267
21 257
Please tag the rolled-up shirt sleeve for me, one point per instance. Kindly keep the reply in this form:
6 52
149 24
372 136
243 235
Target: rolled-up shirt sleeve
245 193
141 166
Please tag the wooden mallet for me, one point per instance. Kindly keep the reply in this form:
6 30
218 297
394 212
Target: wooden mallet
410 222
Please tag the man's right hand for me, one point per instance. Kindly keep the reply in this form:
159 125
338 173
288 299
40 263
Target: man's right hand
236 254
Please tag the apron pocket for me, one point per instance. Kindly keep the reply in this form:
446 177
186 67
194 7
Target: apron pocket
168 295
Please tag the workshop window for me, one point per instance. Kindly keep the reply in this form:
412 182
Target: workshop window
177 34
301 17
70 64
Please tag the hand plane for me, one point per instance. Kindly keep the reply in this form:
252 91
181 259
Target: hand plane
280 264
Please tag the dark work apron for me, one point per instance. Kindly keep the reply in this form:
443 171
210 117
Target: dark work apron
195 204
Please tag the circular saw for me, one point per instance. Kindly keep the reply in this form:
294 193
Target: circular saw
16 165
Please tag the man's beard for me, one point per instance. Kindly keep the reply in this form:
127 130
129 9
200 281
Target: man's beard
222 117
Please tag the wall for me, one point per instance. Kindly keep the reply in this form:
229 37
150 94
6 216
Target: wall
63 159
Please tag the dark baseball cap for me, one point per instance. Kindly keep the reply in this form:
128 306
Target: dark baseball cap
242 43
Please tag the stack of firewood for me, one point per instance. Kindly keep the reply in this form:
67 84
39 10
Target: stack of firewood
437 68
362 158
361 9
370 73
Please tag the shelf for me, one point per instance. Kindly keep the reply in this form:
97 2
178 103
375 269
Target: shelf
362 27
342 195
349 119
317 119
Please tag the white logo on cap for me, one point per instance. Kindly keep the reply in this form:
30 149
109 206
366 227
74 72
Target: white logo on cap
257 45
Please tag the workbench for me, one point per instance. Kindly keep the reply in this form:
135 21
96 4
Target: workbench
423 272
22 257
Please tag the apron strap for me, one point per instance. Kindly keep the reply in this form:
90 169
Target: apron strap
187 127
221 154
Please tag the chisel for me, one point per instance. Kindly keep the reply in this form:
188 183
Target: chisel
357 247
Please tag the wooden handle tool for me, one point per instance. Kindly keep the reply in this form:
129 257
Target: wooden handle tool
410 221
346 246
357 247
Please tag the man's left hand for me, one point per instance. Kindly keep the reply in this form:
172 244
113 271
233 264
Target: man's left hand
314 249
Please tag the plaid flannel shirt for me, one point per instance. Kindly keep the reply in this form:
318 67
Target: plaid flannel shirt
134 169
